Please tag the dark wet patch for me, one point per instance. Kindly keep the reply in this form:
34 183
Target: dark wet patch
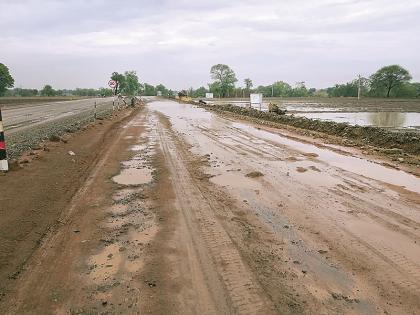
254 174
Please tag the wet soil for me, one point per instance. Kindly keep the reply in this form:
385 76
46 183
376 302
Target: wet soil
40 185
187 212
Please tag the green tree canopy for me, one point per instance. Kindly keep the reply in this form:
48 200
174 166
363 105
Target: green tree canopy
281 88
224 77
131 83
388 78
6 80
248 84
120 79
162 88
48 91
149 90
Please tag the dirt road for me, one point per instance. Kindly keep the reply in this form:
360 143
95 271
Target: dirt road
187 212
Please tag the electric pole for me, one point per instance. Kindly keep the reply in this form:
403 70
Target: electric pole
358 87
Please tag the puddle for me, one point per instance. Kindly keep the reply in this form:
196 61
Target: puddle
133 176
236 181
201 129
393 120
138 147
347 163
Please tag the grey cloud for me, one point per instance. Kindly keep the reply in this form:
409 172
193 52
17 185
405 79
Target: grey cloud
78 43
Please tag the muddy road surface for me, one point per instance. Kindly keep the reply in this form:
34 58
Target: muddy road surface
188 212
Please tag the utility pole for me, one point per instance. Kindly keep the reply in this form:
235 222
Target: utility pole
272 90
358 87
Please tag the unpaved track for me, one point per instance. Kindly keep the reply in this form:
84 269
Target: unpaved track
226 218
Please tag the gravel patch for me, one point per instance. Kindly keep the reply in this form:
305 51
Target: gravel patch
29 138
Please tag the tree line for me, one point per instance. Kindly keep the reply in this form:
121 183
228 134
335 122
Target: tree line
389 81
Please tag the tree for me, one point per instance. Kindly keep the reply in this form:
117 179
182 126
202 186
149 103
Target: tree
200 92
105 92
48 91
299 90
120 79
215 88
149 90
389 77
281 88
6 80
248 85
131 83
162 89
224 77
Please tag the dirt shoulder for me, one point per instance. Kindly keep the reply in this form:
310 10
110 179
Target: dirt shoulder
34 196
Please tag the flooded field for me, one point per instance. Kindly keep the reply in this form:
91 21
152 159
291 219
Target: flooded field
393 120
391 114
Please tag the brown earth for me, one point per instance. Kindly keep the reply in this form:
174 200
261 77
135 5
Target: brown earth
184 229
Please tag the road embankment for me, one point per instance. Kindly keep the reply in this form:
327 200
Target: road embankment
29 138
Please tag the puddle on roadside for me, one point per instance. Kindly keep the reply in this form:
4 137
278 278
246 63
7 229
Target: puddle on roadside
348 163
138 147
379 236
186 118
236 180
133 176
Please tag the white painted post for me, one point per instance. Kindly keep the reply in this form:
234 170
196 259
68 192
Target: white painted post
94 112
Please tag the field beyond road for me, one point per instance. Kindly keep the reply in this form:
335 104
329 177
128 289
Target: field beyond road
172 209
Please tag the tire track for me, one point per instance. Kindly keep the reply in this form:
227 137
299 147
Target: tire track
240 287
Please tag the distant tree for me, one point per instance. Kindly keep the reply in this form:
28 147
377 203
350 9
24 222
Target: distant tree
149 90
200 92
224 77
320 93
162 88
407 90
248 85
6 80
215 88
388 78
48 91
299 90
281 89
23 92
120 79
105 91
131 83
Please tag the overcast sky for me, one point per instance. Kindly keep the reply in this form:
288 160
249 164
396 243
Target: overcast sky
78 43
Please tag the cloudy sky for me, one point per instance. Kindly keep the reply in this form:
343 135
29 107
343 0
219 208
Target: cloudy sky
78 43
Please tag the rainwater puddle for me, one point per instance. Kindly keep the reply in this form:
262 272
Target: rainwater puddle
191 120
133 176
235 180
393 120
347 163
138 147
